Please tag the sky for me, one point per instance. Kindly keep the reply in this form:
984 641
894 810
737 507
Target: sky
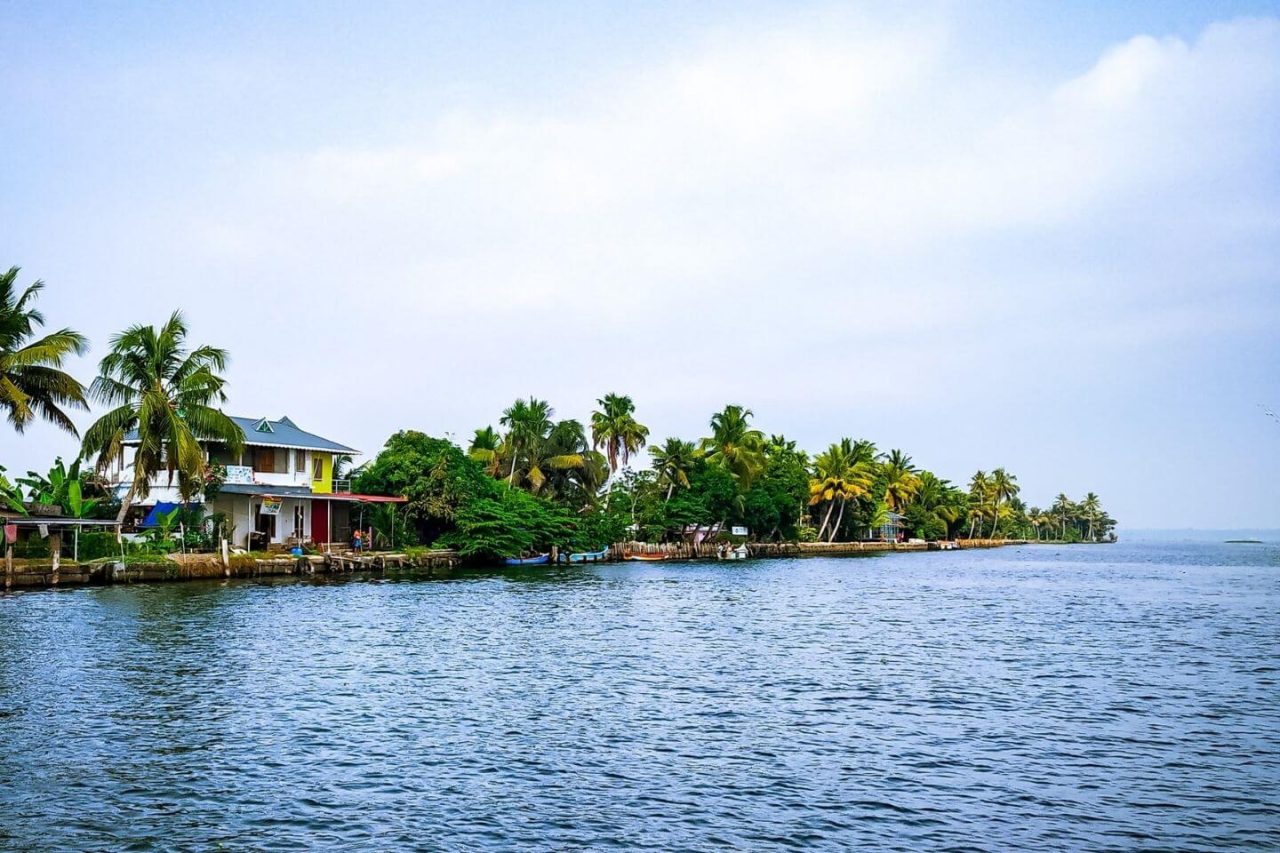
1043 236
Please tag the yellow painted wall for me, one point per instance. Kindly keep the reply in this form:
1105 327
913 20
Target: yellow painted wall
323 486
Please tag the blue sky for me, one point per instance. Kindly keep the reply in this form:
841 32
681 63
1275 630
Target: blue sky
1036 235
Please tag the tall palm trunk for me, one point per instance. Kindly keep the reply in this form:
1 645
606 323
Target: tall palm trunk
835 528
511 478
822 531
973 520
127 503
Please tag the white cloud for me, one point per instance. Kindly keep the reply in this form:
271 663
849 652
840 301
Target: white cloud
815 216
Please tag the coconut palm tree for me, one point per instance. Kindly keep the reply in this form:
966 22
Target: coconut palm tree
558 459
735 444
1090 509
32 383
1062 509
780 445
485 448
901 480
1003 487
979 493
526 423
168 395
942 499
1034 519
842 473
615 428
672 463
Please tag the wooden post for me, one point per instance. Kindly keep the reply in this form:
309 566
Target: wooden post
55 548
226 559
8 566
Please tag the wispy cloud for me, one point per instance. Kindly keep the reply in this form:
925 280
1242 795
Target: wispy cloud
808 218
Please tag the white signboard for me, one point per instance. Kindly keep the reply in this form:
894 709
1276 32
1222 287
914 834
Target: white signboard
239 474
739 531
271 506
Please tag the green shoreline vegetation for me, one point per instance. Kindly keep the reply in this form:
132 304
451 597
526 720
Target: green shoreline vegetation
530 484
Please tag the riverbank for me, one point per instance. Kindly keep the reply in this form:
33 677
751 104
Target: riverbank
46 574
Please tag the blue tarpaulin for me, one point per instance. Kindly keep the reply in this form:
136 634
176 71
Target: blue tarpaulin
161 508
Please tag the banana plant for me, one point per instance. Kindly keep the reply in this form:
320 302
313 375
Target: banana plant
78 506
53 488
10 495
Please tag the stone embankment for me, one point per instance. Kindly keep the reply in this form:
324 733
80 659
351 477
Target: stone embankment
180 567
176 567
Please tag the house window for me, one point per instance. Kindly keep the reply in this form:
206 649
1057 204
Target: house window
317 468
299 460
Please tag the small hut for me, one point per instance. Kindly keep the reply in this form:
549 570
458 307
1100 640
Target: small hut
891 531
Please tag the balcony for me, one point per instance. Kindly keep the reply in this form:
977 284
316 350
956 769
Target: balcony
245 475
166 489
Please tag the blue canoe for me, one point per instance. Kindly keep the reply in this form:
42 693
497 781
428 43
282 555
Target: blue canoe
586 557
527 561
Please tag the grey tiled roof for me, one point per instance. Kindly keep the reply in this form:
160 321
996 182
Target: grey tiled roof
281 433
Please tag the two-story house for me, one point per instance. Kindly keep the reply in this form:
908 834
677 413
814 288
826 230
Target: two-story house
279 488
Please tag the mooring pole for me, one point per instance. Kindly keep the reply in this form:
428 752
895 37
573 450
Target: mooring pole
55 548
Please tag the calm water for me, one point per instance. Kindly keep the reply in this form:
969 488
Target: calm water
1071 698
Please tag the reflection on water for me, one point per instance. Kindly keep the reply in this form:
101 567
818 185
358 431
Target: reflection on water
1105 697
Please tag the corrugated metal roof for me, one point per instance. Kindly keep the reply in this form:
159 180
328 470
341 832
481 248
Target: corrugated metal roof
281 433
258 490
261 489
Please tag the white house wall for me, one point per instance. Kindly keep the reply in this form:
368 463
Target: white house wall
284 524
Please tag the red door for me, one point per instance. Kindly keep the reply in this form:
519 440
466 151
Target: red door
319 521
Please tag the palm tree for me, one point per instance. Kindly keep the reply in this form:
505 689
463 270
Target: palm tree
735 445
672 463
167 395
1003 487
485 448
615 428
779 445
526 423
1036 520
942 499
1062 507
553 460
31 380
843 472
979 489
901 480
1090 508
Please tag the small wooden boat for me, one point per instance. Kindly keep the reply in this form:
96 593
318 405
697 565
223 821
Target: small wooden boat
539 560
586 557
739 553
646 558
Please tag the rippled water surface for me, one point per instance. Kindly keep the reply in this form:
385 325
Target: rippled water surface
1107 697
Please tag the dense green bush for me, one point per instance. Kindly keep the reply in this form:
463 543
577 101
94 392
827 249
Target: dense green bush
97 544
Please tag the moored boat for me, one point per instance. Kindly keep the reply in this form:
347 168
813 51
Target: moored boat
586 556
539 560
646 558
739 553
